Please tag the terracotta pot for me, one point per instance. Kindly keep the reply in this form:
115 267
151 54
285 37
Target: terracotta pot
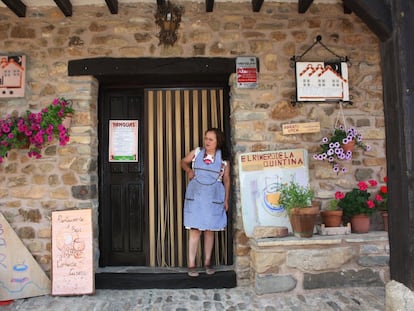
360 223
349 146
25 144
332 218
385 220
303 221
67 120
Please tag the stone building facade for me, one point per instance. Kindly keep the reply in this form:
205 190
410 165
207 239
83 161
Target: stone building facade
67 177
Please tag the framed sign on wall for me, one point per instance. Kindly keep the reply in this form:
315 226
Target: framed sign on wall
325 80
12 76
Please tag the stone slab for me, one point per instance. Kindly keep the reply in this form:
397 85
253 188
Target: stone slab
270 232
340 279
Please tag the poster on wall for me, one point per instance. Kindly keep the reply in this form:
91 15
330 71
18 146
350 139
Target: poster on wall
72 253
12 76
20 274
322 81
246 68
123 141
261 174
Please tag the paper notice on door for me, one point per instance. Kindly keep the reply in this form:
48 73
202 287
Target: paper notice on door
123 140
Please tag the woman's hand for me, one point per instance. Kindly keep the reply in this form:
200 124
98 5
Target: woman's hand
226 206
186 164
190 174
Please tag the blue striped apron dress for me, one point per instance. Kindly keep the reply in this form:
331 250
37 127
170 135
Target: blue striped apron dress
204 197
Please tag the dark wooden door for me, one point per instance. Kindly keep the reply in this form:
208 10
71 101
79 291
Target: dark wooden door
122 210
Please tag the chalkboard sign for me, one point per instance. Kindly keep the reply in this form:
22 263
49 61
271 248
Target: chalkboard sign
72 252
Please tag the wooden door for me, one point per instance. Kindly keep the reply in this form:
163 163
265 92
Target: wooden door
122 209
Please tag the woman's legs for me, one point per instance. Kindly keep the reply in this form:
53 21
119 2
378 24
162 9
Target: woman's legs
208 246
192 246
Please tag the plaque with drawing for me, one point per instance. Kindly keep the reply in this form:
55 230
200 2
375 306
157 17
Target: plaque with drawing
72 253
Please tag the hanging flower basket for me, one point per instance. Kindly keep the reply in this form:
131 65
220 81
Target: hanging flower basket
34 130
349 146
339 147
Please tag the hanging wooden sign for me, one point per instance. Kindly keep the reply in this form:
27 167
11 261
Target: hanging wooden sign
72 253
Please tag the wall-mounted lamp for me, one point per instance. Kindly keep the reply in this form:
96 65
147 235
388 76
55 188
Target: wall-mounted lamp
168 18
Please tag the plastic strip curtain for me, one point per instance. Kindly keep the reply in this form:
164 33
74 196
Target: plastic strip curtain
177 120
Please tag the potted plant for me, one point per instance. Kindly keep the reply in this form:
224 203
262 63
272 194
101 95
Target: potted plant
381 201
34 130
357 206
332 215
297 200
339 147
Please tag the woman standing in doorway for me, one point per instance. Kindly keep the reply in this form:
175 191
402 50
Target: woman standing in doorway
207 195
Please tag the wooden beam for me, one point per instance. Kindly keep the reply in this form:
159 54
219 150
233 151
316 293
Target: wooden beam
303 5
346 9
160 2
154 71
112 5
397 66
375 14
257 5
17 6
209 5
65 6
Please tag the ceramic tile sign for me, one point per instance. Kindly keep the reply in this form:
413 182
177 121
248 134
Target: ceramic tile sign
261 174
72 253
20 274
322 81
12 76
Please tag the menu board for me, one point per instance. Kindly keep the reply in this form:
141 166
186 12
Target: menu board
72 252
20 274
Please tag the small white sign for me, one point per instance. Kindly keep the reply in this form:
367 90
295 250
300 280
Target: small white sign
246 68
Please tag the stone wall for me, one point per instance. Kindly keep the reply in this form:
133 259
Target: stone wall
66 177
295 264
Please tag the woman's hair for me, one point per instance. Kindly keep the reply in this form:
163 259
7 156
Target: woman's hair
221 142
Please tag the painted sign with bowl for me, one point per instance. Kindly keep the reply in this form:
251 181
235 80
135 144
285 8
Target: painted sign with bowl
261 174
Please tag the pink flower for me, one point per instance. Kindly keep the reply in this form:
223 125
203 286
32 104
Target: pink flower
370 204
339 195
373 183
362 185
378 198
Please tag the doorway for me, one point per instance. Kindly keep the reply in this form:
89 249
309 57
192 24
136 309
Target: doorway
141 202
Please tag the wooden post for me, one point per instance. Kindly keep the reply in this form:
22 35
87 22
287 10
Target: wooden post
398 82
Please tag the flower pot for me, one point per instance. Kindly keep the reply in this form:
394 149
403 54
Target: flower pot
67 120
349 146
385 220
24 142
332 218
360 223
303 221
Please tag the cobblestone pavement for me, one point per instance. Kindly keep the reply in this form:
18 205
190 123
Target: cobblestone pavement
240 298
